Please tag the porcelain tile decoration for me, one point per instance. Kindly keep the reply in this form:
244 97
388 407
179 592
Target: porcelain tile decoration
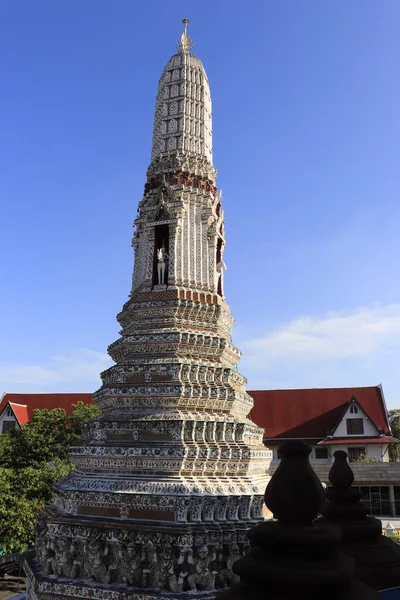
172 474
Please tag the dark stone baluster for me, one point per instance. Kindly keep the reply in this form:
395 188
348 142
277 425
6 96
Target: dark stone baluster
377 558
291 557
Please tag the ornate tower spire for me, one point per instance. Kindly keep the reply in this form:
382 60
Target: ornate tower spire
182 119
172 474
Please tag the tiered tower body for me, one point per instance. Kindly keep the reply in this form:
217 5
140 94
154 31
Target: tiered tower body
172 474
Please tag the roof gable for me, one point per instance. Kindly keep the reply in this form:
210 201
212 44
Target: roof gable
313 413
20 412
165 196
360 413
23 405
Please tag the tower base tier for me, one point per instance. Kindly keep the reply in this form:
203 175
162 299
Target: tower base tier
94 560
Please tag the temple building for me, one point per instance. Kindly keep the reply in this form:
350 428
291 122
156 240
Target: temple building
172 474
351 419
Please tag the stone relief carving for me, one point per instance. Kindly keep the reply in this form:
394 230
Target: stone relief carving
129 568
95 560
63 563
203 576
141 560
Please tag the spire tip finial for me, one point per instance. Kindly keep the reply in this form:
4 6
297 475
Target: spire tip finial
186 42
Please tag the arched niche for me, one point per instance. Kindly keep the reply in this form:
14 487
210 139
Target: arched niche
161 239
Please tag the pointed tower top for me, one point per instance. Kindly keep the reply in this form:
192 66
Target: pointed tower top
186 42
182 120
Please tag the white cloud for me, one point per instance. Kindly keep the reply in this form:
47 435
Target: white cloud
343 335
347 348
77 371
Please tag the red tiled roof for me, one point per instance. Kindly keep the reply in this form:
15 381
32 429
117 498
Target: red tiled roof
384 439
23 405
313 413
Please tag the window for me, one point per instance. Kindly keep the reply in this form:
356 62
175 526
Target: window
353 409
355 452
321 453
376 498
354 426
9 412
7 426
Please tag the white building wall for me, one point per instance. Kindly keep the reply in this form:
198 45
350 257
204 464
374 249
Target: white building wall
378 451
385 452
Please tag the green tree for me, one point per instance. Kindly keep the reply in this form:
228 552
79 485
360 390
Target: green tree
46 437
31 460
23 492
81 414
17 516
394 422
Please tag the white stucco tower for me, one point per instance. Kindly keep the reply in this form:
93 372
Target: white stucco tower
172 474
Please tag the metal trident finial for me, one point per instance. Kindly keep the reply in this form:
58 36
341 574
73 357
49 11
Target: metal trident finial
186 42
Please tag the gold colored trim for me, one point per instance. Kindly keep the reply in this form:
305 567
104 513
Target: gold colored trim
186 42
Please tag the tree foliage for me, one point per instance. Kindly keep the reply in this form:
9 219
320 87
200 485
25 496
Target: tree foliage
31 460
23 492
394 422
46 437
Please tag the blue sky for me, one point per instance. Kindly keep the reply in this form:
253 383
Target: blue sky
306 142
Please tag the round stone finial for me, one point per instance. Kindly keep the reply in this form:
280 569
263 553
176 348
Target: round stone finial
341 476
295 494
294 557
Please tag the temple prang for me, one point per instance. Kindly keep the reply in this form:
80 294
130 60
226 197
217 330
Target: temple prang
171 476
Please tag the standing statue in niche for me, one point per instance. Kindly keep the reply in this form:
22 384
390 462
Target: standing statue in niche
162 258
221 267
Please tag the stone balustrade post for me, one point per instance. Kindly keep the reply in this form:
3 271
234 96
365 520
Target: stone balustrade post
377 559
291 557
